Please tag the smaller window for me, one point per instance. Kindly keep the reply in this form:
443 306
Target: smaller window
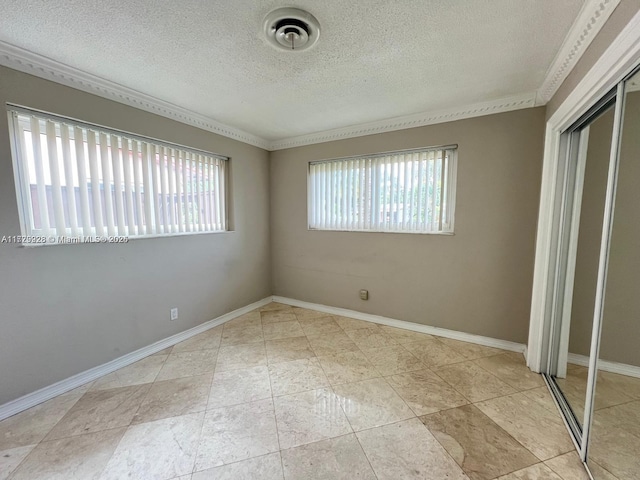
76 180
410 191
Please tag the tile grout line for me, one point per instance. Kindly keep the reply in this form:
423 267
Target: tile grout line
398 344
558 456
415 415
524 446
195 456
513 438
452 386
138 387
149 389
61 418
605 469
443 447
330 387
273 400
493 375
398 393
615 406
204 414
365 455
25 457
275 420
539 375
125 428
106 464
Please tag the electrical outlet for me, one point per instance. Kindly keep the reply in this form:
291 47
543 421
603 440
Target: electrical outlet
174 314
364 294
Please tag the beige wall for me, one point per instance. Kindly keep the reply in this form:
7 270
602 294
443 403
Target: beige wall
477 281
64 309
619 19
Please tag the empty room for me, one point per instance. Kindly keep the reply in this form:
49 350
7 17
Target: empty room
379 239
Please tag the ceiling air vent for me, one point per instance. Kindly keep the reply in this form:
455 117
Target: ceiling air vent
291 29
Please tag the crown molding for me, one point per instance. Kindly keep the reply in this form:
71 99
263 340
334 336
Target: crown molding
592 17
410 121
590 20
44 67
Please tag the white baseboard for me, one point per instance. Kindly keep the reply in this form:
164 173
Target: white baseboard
416 327
32 399
605 365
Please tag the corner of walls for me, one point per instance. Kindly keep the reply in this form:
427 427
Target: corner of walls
477 281
272 285
411 326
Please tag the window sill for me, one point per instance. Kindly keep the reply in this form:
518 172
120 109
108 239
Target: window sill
446 234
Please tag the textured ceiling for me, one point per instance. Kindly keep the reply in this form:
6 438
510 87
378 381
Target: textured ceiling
375 59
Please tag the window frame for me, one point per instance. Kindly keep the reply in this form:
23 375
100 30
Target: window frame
451 185
22 184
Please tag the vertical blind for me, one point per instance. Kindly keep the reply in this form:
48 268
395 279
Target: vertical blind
409 191
76 180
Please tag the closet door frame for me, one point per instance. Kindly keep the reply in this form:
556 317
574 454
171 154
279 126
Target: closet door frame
556 241
615 64
569 187
570 190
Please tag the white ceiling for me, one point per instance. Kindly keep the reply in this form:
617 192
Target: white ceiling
375 60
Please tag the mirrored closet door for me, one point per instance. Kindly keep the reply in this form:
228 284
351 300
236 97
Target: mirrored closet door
587 146
615 431
594 355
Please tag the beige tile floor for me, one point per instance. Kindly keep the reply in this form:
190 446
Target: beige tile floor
615 436
288 393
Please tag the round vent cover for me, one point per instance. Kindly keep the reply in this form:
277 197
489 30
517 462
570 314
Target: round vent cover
291 29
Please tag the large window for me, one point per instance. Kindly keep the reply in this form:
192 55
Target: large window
78 180
410 191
